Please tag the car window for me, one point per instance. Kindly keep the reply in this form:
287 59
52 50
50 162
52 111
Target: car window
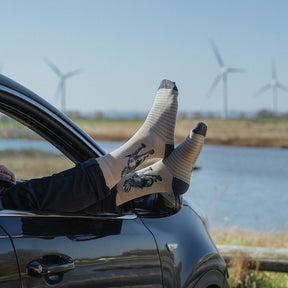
26 153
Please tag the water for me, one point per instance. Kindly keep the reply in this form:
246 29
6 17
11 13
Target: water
18 144
242 187
239 187
235 186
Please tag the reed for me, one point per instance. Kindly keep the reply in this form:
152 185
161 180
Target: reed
236 132
275 239
220 132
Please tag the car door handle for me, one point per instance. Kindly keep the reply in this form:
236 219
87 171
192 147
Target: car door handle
50 265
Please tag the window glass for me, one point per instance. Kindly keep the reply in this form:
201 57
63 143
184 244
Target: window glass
26 153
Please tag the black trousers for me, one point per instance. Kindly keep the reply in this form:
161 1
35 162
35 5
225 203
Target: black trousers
81 189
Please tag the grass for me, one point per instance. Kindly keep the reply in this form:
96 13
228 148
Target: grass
240 274
250 238
242 277
27 164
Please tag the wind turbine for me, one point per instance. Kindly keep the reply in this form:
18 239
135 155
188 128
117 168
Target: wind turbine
274 85
222 75
61 87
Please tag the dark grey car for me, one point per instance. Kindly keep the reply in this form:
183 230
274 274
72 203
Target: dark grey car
148 244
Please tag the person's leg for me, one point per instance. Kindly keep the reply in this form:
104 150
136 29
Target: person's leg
69 191
90 182
83 187
155 138
171 174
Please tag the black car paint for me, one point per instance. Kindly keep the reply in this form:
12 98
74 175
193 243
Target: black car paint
195 252
105 250
9 272
139 257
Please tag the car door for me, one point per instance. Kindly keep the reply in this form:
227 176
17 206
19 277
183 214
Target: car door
100 251
9 275
105 250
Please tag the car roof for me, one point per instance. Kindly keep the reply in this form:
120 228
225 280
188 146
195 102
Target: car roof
25 106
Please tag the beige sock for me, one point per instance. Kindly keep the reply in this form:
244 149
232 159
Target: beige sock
171 174
155 138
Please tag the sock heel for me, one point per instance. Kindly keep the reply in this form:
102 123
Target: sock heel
179 187
168 149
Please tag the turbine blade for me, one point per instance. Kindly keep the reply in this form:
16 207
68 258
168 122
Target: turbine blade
273 69
217 54
263 89
53 67
214 84
236 70
282 87
70 74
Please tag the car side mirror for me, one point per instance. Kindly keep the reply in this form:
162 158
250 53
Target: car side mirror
157 205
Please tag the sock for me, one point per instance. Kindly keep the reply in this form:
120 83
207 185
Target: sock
154 139
171 174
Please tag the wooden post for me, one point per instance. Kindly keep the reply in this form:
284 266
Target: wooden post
263 259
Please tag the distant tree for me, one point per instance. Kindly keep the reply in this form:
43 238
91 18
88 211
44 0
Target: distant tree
210 115
241 115
74 114
98 115
266 114
183 115
196 115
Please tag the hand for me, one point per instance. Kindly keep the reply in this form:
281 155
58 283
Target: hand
7 174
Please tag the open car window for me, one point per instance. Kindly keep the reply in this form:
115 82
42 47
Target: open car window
26 153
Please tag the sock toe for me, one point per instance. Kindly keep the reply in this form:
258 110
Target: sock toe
200 128
167 84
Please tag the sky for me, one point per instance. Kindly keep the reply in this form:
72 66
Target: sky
126 47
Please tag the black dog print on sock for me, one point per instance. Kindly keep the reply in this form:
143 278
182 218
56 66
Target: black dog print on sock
140 180
134 159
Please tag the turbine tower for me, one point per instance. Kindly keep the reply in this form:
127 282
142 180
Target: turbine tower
274 85
61 87
222 75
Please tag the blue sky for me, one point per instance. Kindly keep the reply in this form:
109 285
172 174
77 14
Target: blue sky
126 47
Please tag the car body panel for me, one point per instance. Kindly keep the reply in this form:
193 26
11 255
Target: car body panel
192 252
105 250
9 274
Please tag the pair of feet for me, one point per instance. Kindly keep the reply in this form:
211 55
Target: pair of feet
148 162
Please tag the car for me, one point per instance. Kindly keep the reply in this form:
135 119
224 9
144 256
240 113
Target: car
147 243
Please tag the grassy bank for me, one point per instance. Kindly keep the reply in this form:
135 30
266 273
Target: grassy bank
236 132
247 132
